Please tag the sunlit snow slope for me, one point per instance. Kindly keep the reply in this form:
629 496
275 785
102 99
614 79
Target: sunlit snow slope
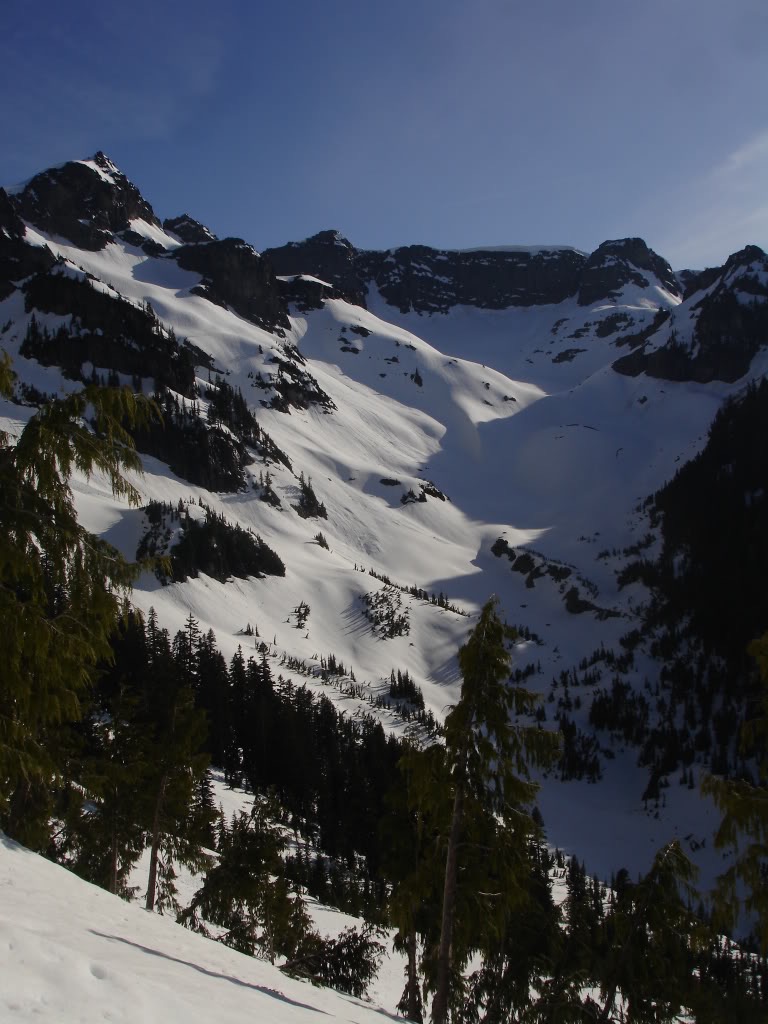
74 954
495 425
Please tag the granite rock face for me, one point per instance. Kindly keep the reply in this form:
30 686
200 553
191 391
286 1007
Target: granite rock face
85 202
234 274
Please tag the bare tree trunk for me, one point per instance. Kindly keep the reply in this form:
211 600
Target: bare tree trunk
440 1001
152 882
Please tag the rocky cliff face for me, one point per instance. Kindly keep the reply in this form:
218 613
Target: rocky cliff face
85 202
17 259
432 281
234 274
425 280
716 332
188 229
616 264
327 256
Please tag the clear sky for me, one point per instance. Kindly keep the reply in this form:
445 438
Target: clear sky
453 123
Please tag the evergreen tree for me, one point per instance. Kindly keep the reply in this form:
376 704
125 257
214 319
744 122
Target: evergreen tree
487 758
212 695
650 934
410 830
174 734
240 894
102 836
745 815
60 587
347 963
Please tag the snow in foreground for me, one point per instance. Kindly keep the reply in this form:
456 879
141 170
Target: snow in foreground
72 953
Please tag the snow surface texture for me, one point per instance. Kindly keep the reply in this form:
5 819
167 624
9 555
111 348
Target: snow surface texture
71 953
515 415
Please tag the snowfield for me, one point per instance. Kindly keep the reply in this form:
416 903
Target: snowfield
74 954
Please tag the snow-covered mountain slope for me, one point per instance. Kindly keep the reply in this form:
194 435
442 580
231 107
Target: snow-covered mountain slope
462 438
74 953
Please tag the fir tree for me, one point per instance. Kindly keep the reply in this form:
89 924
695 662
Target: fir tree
488 759
60 587
176 769
650 934
259 914
745 816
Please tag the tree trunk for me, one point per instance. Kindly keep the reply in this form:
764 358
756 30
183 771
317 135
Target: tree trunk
413 1010
152 882
440 1002
18 808
114 853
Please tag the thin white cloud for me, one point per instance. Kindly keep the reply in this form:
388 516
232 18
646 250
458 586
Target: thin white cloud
719 211
754 150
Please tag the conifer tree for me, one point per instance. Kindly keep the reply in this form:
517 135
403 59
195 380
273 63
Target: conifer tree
259 914
175 762
744 827
60 587
487 758
103 837
414 809
650 936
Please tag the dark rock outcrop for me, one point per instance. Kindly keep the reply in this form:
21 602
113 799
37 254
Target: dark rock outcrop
105 331
235 275
426 280
84 204
147 245
615 264
731 325
18 259
306 293
188 229
328 256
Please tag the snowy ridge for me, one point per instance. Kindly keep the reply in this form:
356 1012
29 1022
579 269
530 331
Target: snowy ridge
505 423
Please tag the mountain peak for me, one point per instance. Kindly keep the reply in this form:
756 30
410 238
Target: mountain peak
744 257
328 237
101 159
85 201
619 262
189 230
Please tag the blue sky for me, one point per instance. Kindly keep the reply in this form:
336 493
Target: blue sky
453 123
